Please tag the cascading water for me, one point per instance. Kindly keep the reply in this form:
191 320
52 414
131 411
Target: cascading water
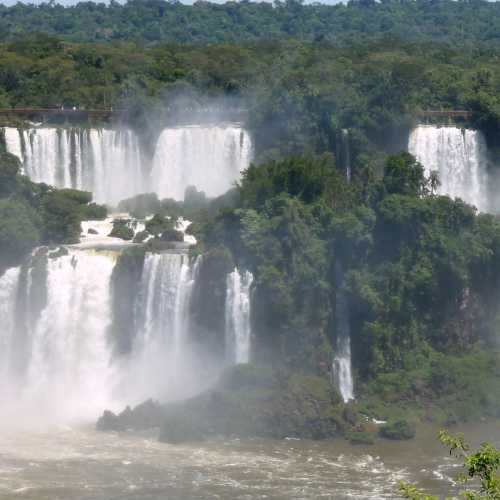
105 162
110 164
210 158
57 357
459 157
342 364
238 308
160 363
57 362
343 152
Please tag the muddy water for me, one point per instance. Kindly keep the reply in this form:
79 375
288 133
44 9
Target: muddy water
81 464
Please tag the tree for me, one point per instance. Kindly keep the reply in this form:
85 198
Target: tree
405 175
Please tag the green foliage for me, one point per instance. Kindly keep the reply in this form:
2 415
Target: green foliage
18 231
482 465
360 437
159 224
9 170
61 212
121 229
141 205
398 429
93 211
207 23
34 214
420 276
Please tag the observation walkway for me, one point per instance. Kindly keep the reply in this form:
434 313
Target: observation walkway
103 114
454 113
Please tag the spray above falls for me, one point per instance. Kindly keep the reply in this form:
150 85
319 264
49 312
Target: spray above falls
112 164
460 158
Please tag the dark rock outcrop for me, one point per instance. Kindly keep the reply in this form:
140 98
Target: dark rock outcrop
147 415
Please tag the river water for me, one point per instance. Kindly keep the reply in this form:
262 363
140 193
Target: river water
82 464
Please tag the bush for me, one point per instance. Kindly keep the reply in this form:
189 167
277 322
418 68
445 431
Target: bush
358 437
141 205
121 230
159 224
19 232
93 211
398 430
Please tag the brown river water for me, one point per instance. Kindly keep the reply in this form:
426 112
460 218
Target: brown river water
81 464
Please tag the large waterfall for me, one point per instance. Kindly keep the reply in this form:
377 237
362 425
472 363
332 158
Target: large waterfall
105 162
162 363
342 364
85 329
238 326
111 164
210 158
459 157
55 356
57 359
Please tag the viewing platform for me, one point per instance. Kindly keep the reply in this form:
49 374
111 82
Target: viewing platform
451 114
101 114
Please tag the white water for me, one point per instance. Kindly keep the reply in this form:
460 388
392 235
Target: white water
63 364
105 162
459 157
58 364
161 365
238 308
111 165
210 158
342 362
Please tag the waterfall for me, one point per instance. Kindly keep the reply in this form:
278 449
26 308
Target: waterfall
111 164
105 162
209 157
459 157
342 365
57 361
238 307
160 365
344 152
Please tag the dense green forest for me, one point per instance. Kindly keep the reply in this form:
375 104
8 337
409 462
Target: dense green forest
465 22
36 214
420 270
296 96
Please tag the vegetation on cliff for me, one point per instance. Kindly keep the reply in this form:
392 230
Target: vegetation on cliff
420 275
35 214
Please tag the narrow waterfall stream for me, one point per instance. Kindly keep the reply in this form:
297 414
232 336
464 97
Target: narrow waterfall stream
238 309
342 364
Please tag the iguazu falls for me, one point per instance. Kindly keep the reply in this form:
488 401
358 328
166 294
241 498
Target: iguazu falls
249 250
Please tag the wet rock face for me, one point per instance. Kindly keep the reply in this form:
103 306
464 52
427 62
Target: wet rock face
147 415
